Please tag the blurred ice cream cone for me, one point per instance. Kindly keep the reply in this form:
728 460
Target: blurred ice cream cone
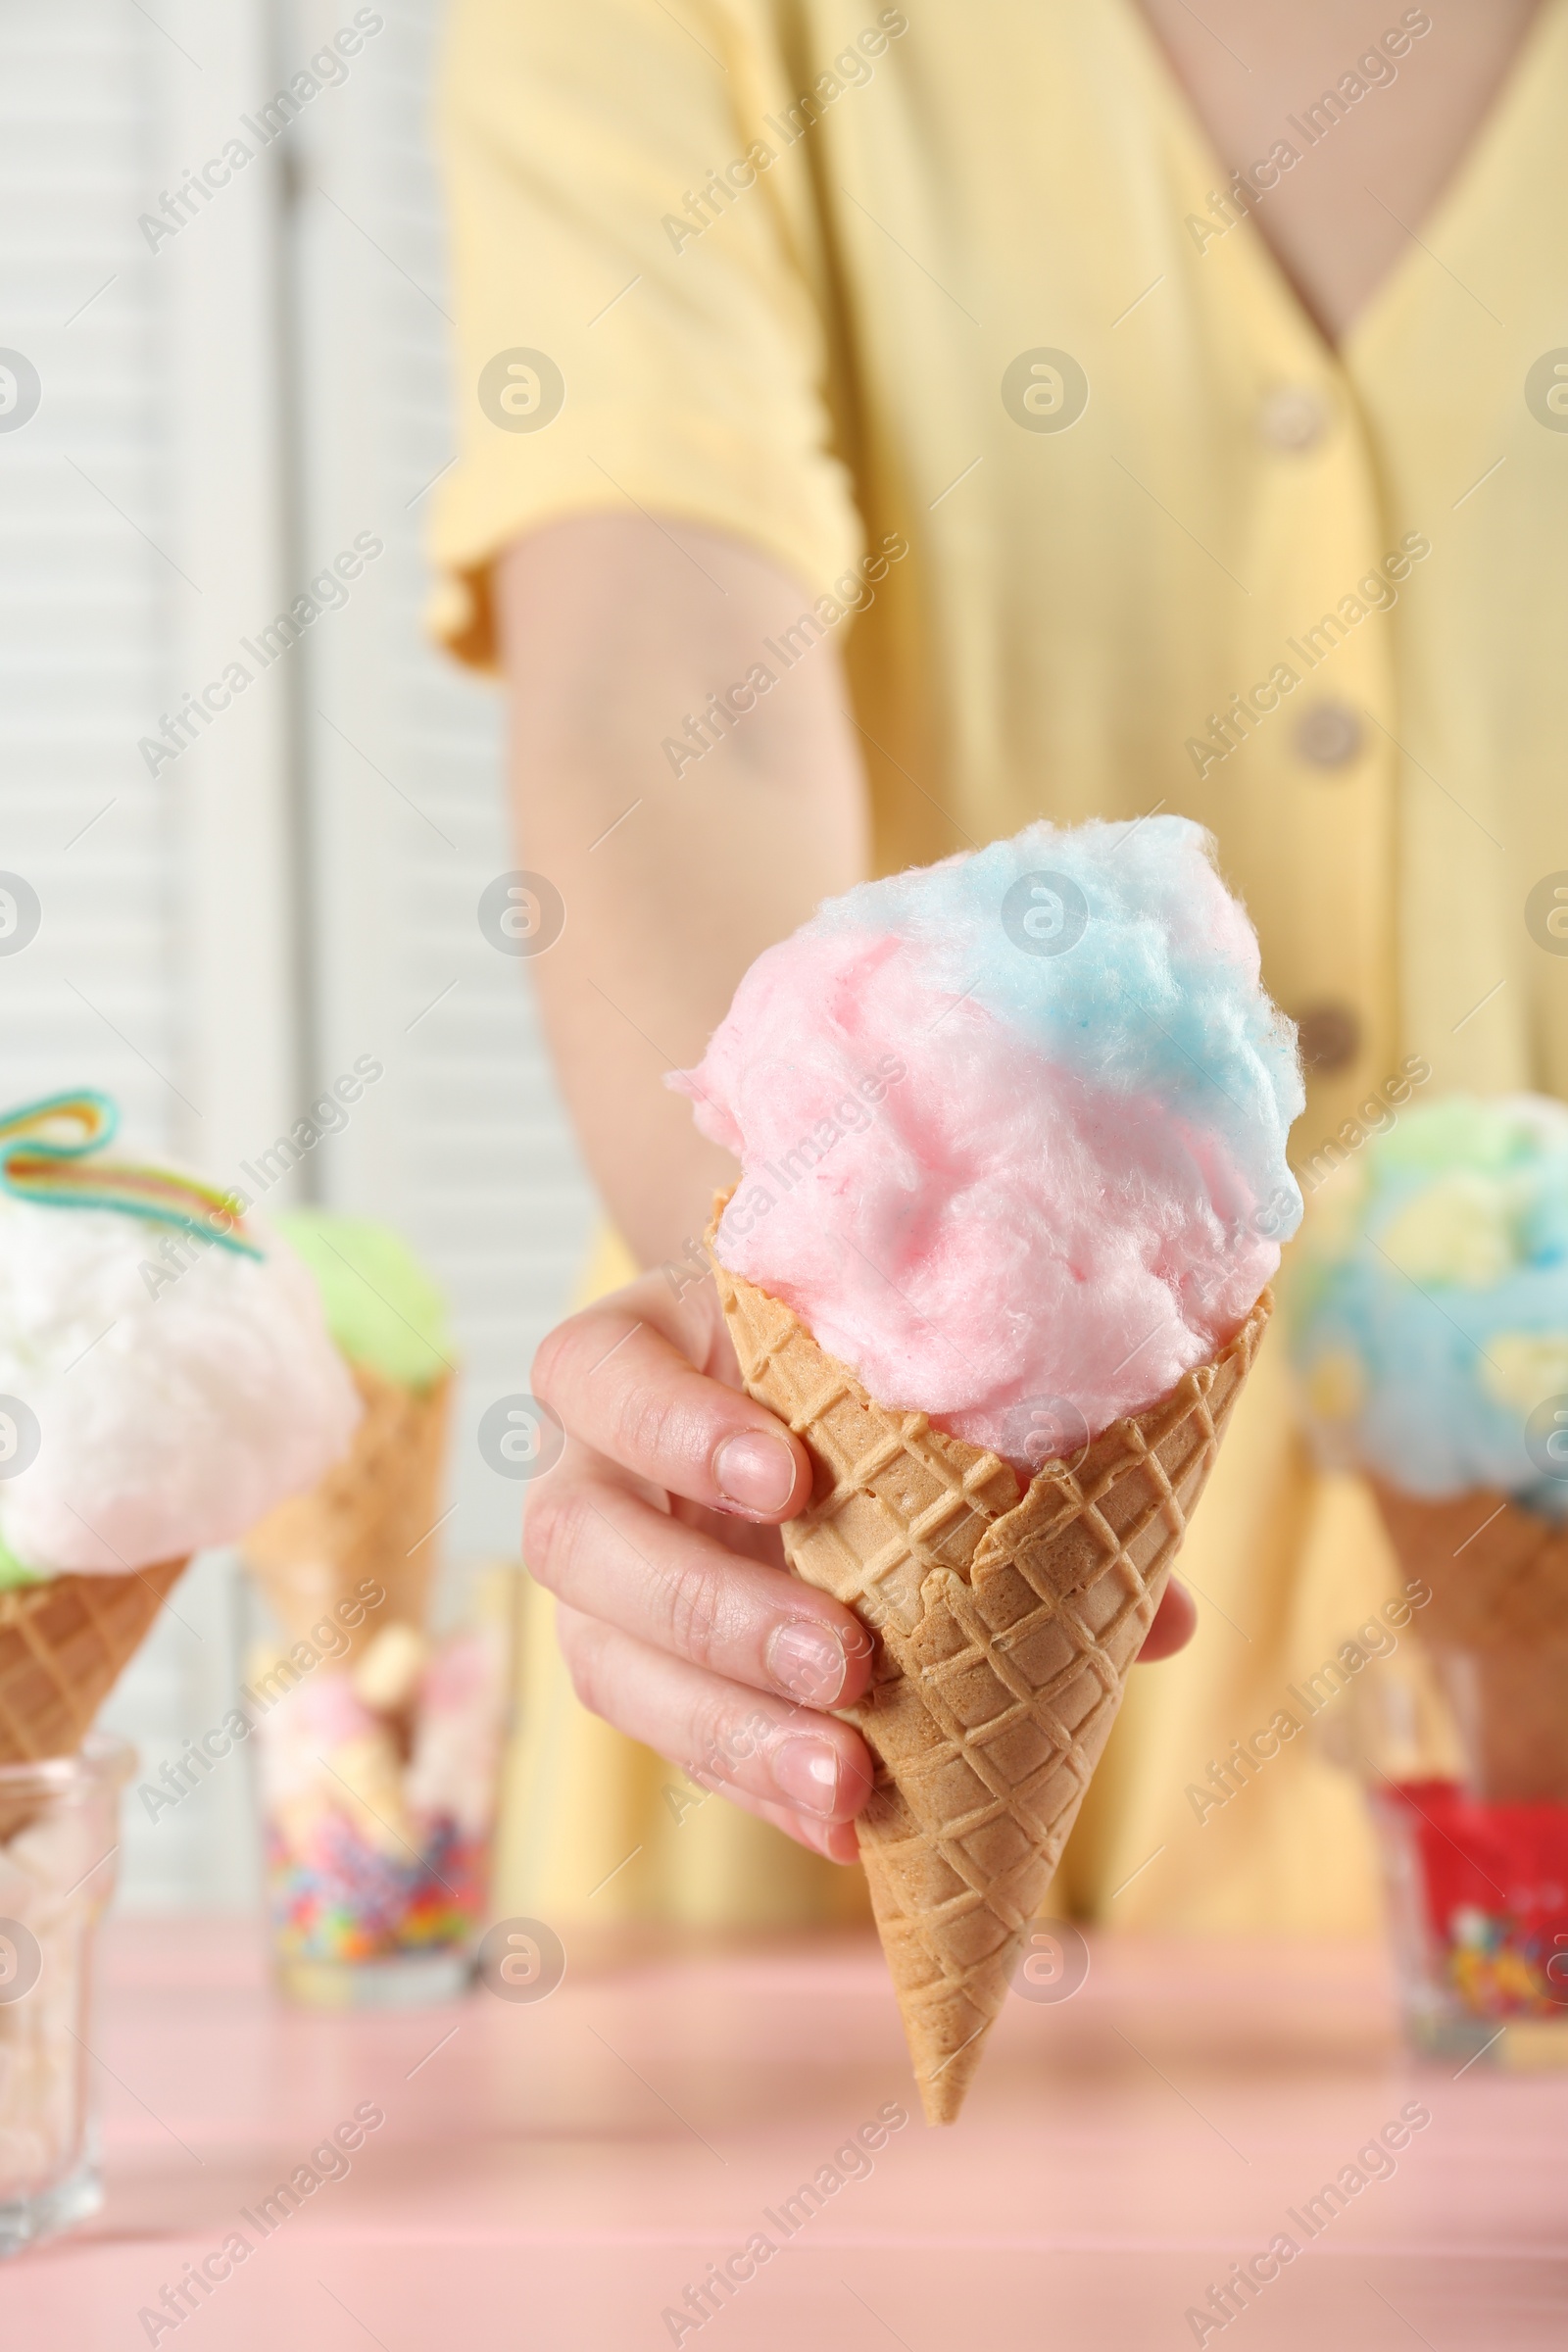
1497 1627
370 1520
63 1645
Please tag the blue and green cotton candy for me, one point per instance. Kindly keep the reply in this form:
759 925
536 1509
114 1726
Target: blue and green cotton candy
1427 1304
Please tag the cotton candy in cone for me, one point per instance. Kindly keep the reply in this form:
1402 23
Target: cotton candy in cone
1497 1626
63 1645
372 1518
1006 1628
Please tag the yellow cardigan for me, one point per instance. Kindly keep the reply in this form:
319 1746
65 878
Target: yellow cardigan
956 316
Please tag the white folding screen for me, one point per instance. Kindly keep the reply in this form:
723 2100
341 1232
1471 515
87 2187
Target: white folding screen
108 585
462 1142
236 901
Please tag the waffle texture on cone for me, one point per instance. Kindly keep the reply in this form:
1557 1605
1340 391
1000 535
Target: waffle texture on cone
1497 1627
1006 1623
63 1645
372 1516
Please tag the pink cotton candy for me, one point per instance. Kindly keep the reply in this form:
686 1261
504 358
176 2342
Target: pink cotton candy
324 1712
458 1676
980 1232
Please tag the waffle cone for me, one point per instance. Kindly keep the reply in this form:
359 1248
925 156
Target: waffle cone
1004 1627
1497 1626
371 1518
62 1648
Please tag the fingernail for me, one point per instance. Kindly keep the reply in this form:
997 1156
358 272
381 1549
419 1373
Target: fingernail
755 1472
808 1772
806 1659
834 1840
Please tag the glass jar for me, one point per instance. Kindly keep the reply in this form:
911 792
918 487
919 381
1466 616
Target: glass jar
1460 1751
59 1837
378 1774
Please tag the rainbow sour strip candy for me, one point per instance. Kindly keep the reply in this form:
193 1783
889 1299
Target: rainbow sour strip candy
39 1163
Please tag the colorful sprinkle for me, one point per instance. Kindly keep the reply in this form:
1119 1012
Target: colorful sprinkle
1491 1884
339 1899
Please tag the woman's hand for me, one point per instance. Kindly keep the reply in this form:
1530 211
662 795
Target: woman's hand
658 1534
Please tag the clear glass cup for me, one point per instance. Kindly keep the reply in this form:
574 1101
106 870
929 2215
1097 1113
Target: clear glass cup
1460 1755
379 1777
59 1837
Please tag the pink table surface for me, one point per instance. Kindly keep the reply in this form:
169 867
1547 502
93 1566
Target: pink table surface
551 2176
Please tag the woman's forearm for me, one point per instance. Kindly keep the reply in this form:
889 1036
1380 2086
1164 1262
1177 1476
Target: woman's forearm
617 632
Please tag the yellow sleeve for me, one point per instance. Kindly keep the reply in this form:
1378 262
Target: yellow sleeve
618 347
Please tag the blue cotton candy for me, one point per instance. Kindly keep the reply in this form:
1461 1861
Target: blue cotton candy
1159 994
1428 1308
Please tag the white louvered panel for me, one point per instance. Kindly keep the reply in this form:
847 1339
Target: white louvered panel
136 540
84 597
126 555
464 1143
202 1852
176 914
